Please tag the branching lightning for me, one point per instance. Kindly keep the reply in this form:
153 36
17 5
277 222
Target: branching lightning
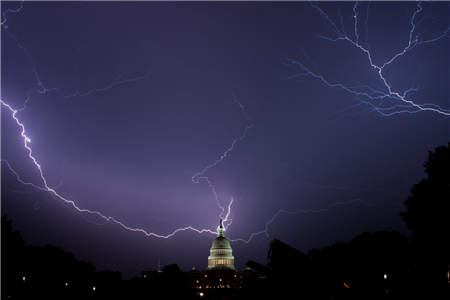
19 179
45 187
9 11
225 211
201 176
371 95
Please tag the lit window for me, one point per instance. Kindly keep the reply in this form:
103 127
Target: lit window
24 278
93 288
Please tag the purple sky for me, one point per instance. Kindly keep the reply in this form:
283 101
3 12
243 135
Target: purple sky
143 100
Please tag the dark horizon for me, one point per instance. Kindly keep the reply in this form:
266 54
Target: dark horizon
127 102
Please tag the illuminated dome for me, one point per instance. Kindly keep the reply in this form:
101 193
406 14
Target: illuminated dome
221 256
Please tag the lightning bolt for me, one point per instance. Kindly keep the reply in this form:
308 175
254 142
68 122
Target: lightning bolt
371 95
225 212
201 175
19 179
9 11
45 187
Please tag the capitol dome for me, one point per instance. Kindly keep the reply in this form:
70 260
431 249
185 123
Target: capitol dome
221 256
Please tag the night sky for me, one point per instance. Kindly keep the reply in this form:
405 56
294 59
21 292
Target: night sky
125 102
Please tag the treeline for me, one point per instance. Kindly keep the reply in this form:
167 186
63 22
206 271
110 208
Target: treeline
46 271
379 265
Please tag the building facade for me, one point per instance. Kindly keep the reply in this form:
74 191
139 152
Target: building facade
221 255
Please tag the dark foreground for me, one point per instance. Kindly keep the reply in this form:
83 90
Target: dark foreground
380 265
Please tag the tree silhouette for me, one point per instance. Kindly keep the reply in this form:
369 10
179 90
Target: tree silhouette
427 215
428 206
13 251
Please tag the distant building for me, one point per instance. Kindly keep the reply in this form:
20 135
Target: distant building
221 275
220 279
221 256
